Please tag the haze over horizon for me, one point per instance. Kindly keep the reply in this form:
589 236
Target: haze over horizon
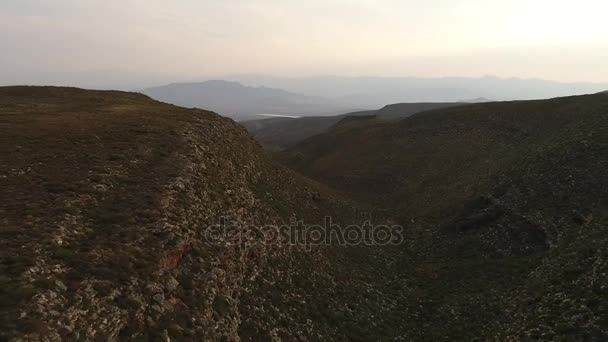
137 43
303 170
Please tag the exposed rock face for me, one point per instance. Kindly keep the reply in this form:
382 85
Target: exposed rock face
107 201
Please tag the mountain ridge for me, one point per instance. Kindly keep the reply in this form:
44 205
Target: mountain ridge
107 202
241 102
373 92
279 134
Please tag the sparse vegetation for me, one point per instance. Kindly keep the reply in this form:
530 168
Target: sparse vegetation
107 197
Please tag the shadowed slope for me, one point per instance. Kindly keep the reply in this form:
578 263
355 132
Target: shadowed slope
508 208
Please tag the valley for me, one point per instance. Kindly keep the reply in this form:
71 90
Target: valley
278 171
502 207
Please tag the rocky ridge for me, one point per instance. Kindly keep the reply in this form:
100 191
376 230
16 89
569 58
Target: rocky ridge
107 201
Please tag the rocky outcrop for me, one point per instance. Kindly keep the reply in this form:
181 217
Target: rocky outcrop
125 191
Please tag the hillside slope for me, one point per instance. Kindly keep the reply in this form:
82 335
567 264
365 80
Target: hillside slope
507 204
390 161
373 92
111 202
107 203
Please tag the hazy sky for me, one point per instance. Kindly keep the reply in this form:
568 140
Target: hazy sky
185 39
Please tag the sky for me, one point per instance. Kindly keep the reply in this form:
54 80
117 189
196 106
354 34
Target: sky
149 40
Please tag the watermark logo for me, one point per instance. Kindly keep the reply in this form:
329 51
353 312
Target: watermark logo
298 232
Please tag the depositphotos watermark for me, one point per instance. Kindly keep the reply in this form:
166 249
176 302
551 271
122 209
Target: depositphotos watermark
297 232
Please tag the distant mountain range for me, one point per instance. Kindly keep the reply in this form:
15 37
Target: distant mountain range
246 97
240 102
374 92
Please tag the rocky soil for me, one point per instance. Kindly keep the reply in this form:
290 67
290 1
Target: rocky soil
110 203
